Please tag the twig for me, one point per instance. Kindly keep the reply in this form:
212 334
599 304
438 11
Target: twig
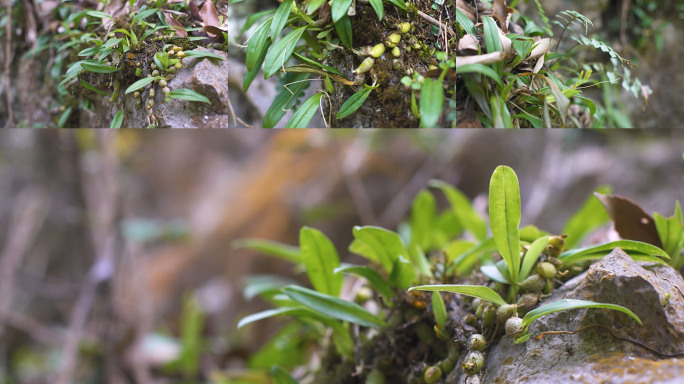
436 22
349 167
100 190
615 335
27 217
8 61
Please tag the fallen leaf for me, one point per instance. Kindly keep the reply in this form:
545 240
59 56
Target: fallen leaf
562 102
487 58
502 13
468 42
208 14
466 9
215 32
177 27
543 46
630 220
194 11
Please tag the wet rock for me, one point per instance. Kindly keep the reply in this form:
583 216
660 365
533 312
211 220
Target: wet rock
593 355
208 77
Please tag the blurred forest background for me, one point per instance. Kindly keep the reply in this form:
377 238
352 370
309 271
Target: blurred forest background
116 247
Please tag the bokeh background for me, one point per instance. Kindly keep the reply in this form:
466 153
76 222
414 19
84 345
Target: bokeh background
104 236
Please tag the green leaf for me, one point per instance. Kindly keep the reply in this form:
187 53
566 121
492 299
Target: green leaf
281 51
423 217
306 60
403 273
306 112
480 291
280 376
531 256
188 95
492 40
294 311
504 216
463 210
286 97
587 218
493 273
566 304
465 22
339 9
254 17
89 86
482 69
377 6
280 18
64 117
117 121
354 102
333 306
320 259
431 102
258 45
98 14
267 285
203 54
344 31
439 310
399 3
670 232
271 248
384 245
313 5
95 66
370 274
141 84
598 251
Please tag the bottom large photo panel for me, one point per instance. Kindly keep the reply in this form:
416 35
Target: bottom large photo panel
350 257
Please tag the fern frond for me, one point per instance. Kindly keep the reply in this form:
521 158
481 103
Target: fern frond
591 42
544 18
575 17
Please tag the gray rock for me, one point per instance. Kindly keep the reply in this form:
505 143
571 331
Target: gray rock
594 355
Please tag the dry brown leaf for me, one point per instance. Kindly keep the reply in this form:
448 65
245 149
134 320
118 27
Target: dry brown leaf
177 27
502 13
487 58
468 41
194 11
539 64
208 14
542 47
215 32
466 9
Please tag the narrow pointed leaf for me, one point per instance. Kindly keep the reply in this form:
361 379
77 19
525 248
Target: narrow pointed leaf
354 102
370 274
480 291
280 376
188 95
587 218
339 9
271 248
464 211
305 113
117 121
531 256
141 84
344 31
566 304
385 245
431 102
377 6
504 216
293 311
598 251
320 259
439 310
280 18
333 306
258 45
493 273
281 51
